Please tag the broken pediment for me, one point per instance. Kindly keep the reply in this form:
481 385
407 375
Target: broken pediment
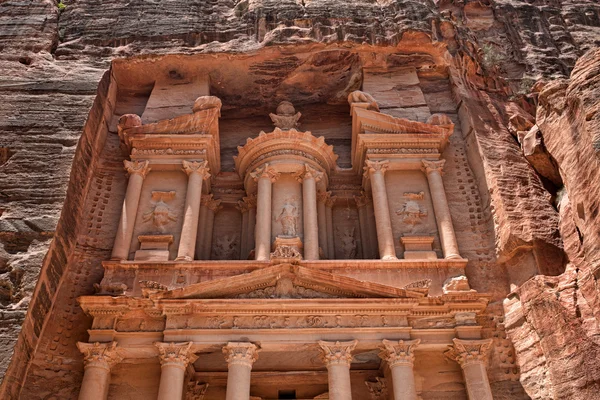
287 281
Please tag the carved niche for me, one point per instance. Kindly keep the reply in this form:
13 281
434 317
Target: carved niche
412 211
288 218
161 214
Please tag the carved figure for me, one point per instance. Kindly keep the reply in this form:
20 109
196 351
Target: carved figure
286 117
411 211
361 97
289 219
348 242
160 215
225 247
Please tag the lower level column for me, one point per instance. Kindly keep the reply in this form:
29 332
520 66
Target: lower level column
337 356
99 358
472 355
240 357
174 359
400 357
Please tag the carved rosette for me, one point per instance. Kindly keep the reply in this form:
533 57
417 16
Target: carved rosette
100 355
175 354
196 167
377 389
375 167
240 353
467 352
265 172
431 166
337 353
309 172
400 352
136 167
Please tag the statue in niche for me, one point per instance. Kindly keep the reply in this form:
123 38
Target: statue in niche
225 247
289 219
412 211
160 215
286 117
348 242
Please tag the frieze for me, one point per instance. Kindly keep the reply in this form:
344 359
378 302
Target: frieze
402 151
169 151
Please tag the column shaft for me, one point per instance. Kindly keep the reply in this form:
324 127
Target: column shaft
263 219
251 228
208 225
201 237
171 382
197 172
364 236
239 356
472 355
309 177
403 378
329 216
337 356
433 169
322 218
244 234
385 236
372 230
95 383
400 357
137 172
99 358
478 385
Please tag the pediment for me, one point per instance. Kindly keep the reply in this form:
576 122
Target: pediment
288 282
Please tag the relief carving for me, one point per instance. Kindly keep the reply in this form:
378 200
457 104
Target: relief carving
362 97
412 212
225 247
348 243
286 117
285 289
150 287
110 289
289 218
160 215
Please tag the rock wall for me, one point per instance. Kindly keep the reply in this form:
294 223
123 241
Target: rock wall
52 67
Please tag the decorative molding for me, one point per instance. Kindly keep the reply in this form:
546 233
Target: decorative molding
140 168
240 353
175 354
337 353
400 352
100 355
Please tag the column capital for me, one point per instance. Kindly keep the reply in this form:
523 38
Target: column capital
140 168
250 201
100 355
265 171
335 353
430 166
467 352
240 353
209 202
175 354
326 198
399 352
308 172
376 167
242 206
362 200
377 389
196 167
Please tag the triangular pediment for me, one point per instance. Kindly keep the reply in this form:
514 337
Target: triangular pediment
287 281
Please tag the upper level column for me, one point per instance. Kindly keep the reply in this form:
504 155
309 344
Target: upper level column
137 172
174 359
264 176
472 355
329 202
337 356
309 178
240 357
197 172
99 358
385 237
400 357
433 169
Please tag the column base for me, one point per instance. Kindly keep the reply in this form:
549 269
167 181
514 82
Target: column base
453 257
389 258
184 258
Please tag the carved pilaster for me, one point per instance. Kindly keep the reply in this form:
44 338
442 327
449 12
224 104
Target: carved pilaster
467 352
329 199
400 352
198 167
431 166
333 353
240 353
375 167
250 201
100 355
195 390
265 172
308 172
136 167
175 354
377 389
362 200
214 205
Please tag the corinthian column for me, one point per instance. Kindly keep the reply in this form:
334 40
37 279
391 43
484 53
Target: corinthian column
400 357
264 176
240 357
309 178
361 204
337 357
433 169
322 219
471 355
174 359
137 172
375 170
243 208
212 207
197 172
98 359
329 202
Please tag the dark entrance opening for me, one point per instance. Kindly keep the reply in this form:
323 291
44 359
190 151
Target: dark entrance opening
287 394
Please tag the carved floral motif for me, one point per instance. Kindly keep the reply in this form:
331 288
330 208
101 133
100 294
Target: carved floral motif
240 353
178 354
399 352
100 355
333 353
